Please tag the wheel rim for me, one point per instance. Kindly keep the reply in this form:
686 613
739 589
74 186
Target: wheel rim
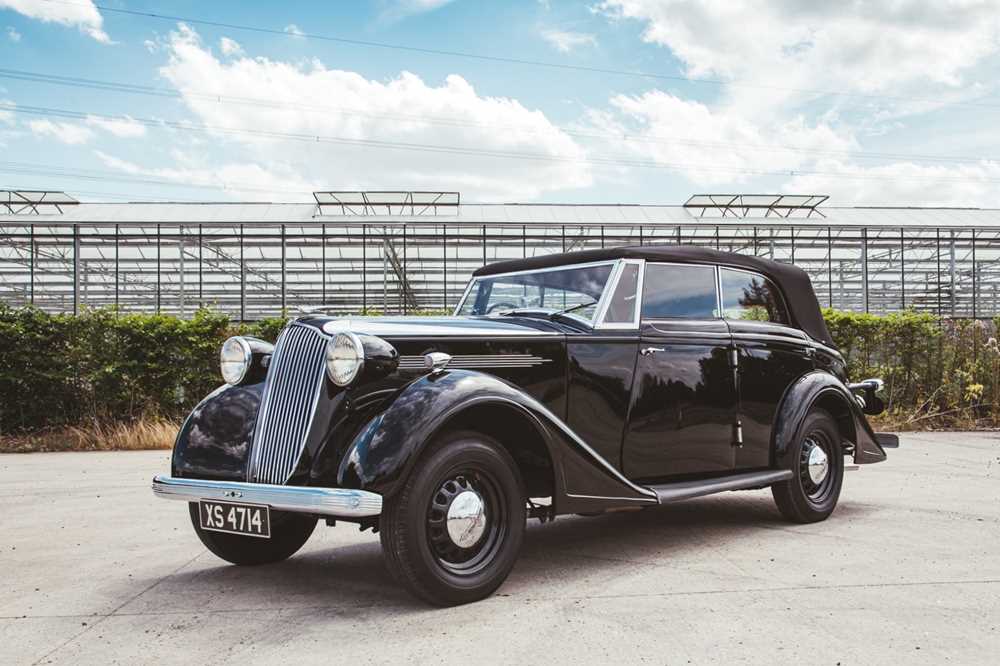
466 522
815 466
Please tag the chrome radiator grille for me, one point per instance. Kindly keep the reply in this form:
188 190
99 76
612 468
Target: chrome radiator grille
294 380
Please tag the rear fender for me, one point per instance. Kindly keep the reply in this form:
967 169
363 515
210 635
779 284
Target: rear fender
821 389
387 448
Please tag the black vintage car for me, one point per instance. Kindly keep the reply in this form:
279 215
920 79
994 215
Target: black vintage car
570 383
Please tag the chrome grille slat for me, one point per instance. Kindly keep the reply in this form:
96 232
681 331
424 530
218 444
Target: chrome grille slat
294 380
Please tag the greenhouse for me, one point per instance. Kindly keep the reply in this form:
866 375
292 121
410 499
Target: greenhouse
395 252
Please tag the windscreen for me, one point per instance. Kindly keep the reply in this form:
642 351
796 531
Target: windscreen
551 290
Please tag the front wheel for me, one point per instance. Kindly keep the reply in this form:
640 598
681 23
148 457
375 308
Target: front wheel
289 531
817 464
452 533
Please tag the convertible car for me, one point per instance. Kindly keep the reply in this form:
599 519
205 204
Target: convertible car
571 383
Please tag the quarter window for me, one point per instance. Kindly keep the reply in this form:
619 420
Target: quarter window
621 310
751 296
671 291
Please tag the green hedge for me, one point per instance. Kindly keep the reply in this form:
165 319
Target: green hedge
102 365
938 372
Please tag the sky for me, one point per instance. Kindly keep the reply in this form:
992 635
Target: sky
605 101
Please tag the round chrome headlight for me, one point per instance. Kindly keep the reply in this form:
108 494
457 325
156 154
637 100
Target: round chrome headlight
345 356
234 359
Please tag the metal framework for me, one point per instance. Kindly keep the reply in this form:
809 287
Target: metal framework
34 202
140 258
387 203
756 205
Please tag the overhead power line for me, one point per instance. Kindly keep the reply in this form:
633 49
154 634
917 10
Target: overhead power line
632 138
394 145
109 194
98 175
472 152
159 16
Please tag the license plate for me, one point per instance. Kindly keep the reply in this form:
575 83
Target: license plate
232 518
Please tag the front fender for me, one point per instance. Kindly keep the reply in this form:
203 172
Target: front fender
386 449
214 441
802 396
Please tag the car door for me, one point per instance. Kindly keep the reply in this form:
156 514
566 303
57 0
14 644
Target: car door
684 400
601 365
771 355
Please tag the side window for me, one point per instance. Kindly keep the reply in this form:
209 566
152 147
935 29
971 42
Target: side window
751 296
671 291
621 310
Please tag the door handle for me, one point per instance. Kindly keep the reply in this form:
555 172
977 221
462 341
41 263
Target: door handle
650 350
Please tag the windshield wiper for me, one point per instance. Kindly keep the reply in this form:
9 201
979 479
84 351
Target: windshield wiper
573 308
548 313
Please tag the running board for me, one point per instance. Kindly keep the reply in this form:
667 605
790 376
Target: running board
671 492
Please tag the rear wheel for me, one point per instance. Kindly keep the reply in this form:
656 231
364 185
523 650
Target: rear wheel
289 531
817 464
451 535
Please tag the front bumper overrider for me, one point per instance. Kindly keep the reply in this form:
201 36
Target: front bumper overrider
333 502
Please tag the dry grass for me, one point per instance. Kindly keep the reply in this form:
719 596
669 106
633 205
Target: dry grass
914 420
145 434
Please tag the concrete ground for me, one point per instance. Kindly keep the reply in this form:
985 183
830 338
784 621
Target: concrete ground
93 569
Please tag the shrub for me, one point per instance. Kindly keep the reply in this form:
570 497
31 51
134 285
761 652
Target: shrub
938 372
107 367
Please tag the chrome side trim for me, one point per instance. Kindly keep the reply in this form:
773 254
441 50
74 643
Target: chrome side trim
390 328
605 497
477 361
336 502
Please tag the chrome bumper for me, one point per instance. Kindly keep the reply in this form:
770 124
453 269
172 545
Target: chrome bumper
335 502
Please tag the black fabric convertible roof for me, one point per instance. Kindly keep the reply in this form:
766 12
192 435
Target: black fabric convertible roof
792 280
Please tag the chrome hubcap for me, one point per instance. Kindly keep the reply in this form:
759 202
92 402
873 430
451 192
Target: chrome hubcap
818 464
466 520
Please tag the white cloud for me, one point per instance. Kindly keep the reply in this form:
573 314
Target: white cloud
125 127
394 111
779 67
6 115
246 181
711 146
230 47
566 41
12 34
903 183
69 133
397 9
294 31
867 47
80 13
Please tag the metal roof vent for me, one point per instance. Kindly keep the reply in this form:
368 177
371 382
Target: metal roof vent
755 205
34 202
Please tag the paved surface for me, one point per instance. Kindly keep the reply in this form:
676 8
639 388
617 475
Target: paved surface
93 569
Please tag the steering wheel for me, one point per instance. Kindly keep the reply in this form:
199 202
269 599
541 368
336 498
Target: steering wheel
497 306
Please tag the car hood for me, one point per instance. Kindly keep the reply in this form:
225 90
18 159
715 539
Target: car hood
438 327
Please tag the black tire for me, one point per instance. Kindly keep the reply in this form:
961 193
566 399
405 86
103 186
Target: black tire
802 499
419 550
289 531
